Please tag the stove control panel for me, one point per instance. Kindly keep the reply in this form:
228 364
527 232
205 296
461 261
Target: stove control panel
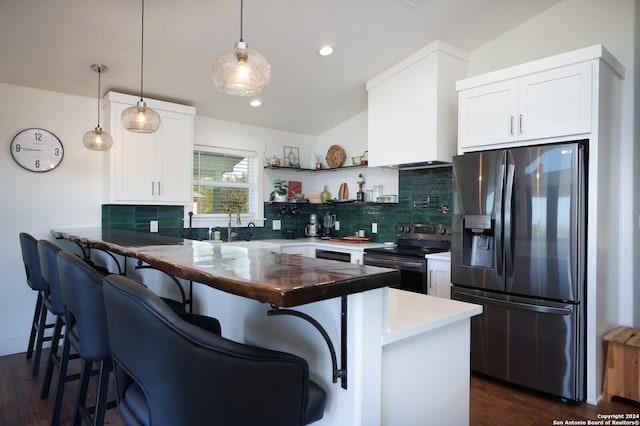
419 231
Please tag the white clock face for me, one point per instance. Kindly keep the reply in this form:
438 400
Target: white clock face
37 150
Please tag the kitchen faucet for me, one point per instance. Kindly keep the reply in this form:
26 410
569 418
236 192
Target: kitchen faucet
231 234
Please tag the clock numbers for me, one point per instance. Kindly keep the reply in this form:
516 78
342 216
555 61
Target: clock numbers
37 164
38 136
17 147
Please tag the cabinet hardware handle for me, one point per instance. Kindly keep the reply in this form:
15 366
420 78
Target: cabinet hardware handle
511 128
520 124
153 188
158 187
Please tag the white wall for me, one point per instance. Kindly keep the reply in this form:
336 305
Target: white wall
352 136
67 196
571 25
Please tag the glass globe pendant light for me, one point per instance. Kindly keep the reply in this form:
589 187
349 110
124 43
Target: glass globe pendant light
97 139
241 71
140 118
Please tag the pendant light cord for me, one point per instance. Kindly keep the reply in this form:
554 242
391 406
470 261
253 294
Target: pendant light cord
241 13
99 69
142 53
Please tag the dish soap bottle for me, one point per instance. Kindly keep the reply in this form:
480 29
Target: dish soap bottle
325 195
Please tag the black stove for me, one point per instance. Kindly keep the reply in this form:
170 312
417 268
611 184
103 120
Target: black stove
414 242
418 240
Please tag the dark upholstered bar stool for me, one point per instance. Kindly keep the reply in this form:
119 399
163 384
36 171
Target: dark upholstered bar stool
31 259
169 371
86 332
53 302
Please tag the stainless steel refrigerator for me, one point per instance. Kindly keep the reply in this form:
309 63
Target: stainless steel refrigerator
518 249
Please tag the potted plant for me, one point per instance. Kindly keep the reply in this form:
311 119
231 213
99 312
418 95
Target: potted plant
279 194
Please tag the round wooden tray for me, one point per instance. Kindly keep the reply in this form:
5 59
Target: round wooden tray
335 156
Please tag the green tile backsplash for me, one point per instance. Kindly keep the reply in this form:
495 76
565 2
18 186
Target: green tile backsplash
137 218
415 185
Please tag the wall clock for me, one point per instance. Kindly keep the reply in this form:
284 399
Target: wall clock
37 150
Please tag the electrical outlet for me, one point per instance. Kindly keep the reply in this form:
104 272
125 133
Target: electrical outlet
153 226
374 228
337 225
276 225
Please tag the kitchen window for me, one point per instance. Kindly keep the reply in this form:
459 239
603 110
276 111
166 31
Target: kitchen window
225 181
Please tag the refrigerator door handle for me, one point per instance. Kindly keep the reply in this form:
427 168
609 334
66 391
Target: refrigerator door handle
520 305
508 199
497 212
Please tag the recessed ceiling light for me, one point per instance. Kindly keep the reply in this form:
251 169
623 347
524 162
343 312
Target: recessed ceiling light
325 50
255 103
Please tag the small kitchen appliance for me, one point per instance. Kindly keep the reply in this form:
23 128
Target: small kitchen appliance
328 222
414 243
313 228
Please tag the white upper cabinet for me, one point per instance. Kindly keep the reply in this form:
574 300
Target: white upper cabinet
412 108
154 168
544 99
555 102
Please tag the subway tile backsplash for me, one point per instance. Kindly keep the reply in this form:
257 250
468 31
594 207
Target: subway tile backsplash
137 218
415 185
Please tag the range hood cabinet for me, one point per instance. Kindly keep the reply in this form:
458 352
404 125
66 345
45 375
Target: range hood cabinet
412 108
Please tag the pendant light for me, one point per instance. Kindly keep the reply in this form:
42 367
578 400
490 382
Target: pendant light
241 71
97 139
140 118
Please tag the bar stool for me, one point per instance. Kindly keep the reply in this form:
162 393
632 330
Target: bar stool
53 301
31 259
86 332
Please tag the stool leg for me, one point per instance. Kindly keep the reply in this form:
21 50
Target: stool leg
85 376
103 389
34 324
62 375
42 325
55 342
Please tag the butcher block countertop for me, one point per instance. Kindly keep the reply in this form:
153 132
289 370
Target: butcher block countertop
277 278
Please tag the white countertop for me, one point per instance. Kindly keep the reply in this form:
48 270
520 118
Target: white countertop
410 314
440 256
307 242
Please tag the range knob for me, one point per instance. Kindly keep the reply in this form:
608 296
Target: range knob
443 231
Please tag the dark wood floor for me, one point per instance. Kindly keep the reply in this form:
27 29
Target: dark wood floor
492 403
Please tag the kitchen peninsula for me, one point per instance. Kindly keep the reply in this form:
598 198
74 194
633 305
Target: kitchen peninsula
385 331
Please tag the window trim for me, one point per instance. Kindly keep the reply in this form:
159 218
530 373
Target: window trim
222 219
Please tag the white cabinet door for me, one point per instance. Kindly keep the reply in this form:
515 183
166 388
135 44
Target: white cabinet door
487 114
555 102
175 159
439 278
133 170
540 105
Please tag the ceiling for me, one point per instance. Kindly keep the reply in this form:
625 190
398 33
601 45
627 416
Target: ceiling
51 44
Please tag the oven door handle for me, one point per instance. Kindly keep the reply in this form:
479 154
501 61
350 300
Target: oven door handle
394 263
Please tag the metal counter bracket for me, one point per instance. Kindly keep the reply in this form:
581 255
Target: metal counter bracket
337 373
185 301
86 255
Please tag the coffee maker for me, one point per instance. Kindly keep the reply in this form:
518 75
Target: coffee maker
328 222
313 228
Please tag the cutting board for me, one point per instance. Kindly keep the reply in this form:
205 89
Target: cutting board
351 239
